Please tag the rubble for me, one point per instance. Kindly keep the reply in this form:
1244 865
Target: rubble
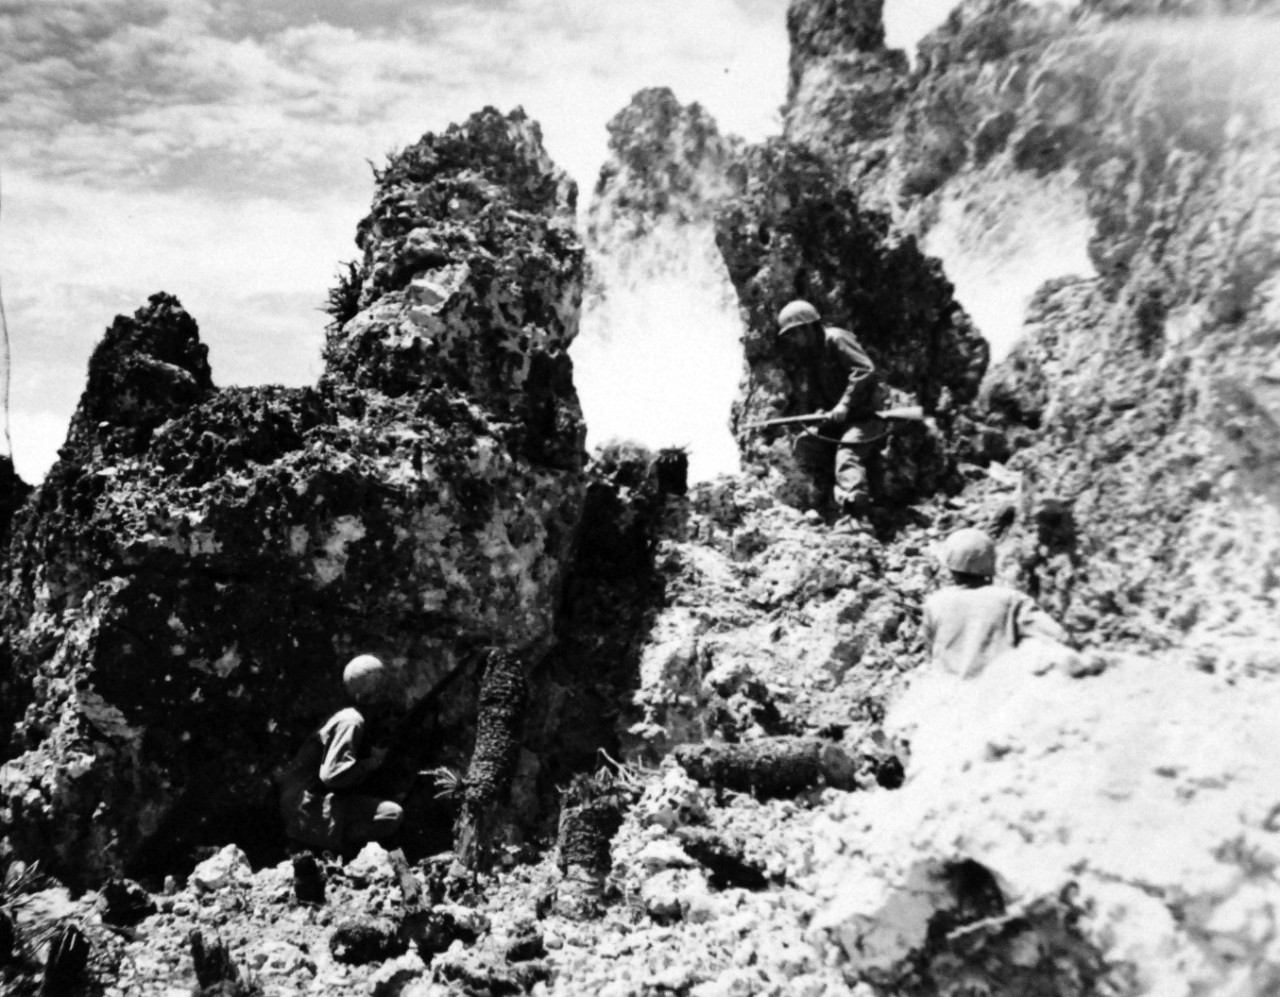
219 871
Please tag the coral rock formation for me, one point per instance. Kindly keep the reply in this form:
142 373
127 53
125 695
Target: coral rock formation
186 582
1097 187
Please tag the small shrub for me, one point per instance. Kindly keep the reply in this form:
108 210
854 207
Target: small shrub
344 300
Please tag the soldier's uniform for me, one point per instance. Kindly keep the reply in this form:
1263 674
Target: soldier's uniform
968 627
846 381
317 800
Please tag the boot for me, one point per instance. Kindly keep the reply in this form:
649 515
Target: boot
308 879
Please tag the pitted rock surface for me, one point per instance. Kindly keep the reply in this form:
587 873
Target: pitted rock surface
185 585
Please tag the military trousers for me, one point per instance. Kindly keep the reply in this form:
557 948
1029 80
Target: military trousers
840 469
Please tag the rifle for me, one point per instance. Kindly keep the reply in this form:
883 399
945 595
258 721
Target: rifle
788 420
904 413
402 732
403 735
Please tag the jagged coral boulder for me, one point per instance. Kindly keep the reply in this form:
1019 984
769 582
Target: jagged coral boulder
842 75
188 579
473 282
144 371
668 165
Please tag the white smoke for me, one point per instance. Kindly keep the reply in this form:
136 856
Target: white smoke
1001 234
1000 237
659 355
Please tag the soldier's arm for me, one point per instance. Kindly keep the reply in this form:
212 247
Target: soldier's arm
1032 622
860 369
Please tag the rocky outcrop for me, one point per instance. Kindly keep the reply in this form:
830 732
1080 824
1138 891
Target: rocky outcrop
842 75
612 592
1096 829
1097 185
185 585
471 283
667 163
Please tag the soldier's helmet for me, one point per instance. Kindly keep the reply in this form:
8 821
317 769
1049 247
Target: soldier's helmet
970 551
796 314
364 677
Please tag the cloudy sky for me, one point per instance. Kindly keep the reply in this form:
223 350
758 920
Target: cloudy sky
219 149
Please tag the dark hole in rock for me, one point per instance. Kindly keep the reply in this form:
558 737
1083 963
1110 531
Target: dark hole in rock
724 860
889 773
125 902
1055 524
7 935
977 896
672 469
308 879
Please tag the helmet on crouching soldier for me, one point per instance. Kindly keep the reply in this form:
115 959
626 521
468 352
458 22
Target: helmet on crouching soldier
970 552
365 678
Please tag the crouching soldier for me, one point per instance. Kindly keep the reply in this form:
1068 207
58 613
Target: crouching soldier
320 796
971 623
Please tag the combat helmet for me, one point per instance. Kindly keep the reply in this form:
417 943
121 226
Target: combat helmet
796 314
971 552
364 677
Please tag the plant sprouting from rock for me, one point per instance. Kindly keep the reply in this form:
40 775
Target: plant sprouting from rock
344 298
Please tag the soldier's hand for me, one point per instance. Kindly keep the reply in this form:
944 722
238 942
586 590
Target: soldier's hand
376 757
838 414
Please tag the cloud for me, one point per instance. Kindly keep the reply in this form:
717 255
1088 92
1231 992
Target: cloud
142 95
217 150
253 274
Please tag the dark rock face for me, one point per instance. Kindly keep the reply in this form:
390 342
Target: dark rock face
794 233
147 369
187 582
613 590
125 902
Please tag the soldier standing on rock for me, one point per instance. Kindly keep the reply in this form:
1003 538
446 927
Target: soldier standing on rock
836 454
319 795
971 623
